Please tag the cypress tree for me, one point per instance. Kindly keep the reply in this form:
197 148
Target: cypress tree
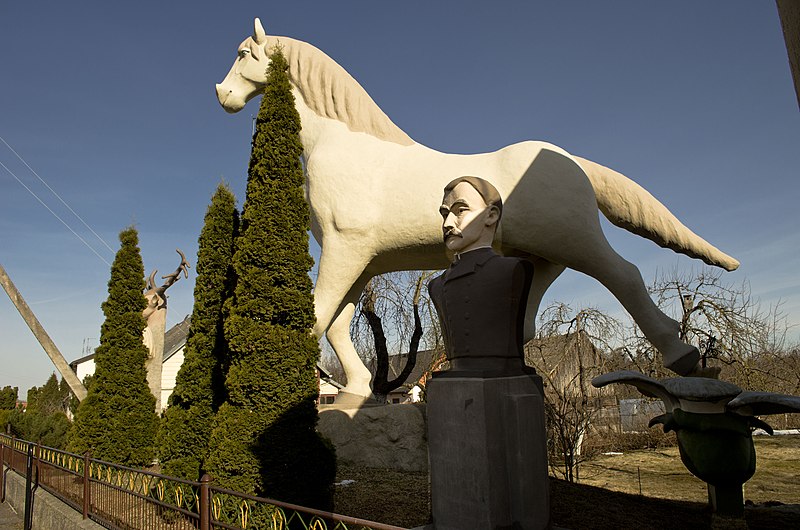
265 441
199 385
8 398
117 420
44 420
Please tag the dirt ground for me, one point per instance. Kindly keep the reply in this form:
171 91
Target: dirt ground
608 493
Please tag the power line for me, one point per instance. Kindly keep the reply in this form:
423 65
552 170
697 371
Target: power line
57 195
55 215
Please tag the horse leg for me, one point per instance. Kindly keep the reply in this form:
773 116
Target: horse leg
544 274
338 335
595 257
339 284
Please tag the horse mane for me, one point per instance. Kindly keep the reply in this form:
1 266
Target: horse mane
331 92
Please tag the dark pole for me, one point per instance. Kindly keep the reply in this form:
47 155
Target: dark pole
87 490
28 489
2 465
205 503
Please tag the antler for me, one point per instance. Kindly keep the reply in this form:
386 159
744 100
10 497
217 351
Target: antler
158 294
175 276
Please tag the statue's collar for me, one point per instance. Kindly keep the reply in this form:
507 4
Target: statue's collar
471 253
467 262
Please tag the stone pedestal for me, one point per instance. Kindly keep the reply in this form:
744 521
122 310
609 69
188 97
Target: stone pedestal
487 447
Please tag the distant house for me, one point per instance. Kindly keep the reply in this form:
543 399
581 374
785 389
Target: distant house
328 388
411 390
174 348
567 363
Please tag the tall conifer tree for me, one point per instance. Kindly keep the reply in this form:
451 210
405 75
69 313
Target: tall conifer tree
117 420
199 386
265 441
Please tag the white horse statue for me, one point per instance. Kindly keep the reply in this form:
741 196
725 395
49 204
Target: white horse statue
374 195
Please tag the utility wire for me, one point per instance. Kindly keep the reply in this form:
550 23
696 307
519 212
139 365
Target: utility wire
55 214
57 195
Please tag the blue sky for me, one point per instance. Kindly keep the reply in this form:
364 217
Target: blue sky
113 105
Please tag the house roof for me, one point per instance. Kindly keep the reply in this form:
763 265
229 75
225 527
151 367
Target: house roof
176 336
565 361
174 340
325 376
397 362
556 349
81 360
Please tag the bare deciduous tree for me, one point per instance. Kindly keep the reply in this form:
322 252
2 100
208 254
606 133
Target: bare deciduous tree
381 385
568 352
394 316
730 328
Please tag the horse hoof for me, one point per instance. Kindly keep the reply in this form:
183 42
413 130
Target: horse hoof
685 363
349 400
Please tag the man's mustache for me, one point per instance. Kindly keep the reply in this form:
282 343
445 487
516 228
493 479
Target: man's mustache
451 232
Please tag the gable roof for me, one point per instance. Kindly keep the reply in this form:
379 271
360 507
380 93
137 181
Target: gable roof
565 362
174 340
397 362
176 336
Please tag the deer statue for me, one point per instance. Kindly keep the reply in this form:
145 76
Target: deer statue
156 316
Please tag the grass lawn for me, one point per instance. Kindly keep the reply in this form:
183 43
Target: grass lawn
608 494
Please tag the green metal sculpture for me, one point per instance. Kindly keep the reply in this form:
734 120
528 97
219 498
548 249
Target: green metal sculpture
713 421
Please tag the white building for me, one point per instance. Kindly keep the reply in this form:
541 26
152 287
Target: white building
174 347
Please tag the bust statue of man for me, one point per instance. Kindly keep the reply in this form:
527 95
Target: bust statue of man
481 297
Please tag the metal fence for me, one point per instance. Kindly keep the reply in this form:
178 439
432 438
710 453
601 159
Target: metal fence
120 497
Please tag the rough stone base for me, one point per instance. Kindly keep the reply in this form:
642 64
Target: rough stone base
488 454
380 436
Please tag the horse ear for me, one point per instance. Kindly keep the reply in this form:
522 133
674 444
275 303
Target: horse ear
255 50
259 35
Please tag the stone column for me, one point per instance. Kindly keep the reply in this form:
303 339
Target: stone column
488 454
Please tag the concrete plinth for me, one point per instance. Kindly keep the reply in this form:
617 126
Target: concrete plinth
487 447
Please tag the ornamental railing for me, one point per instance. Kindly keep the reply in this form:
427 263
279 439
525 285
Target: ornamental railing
120 497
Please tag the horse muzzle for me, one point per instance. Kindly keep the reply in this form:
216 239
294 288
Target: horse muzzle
229 101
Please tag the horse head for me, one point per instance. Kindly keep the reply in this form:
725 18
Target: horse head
248 74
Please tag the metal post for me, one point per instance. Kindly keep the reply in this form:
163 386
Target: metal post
37 456
28 489
2 465
205 502
87 490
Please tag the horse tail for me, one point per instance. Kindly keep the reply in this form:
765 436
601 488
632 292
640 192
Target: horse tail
630 206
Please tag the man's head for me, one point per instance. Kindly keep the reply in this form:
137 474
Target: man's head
471 209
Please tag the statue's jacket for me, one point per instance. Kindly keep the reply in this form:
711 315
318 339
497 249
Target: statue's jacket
481 300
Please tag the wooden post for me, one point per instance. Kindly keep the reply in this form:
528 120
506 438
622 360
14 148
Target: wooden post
41 335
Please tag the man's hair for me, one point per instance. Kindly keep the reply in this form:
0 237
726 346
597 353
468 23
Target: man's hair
488 193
